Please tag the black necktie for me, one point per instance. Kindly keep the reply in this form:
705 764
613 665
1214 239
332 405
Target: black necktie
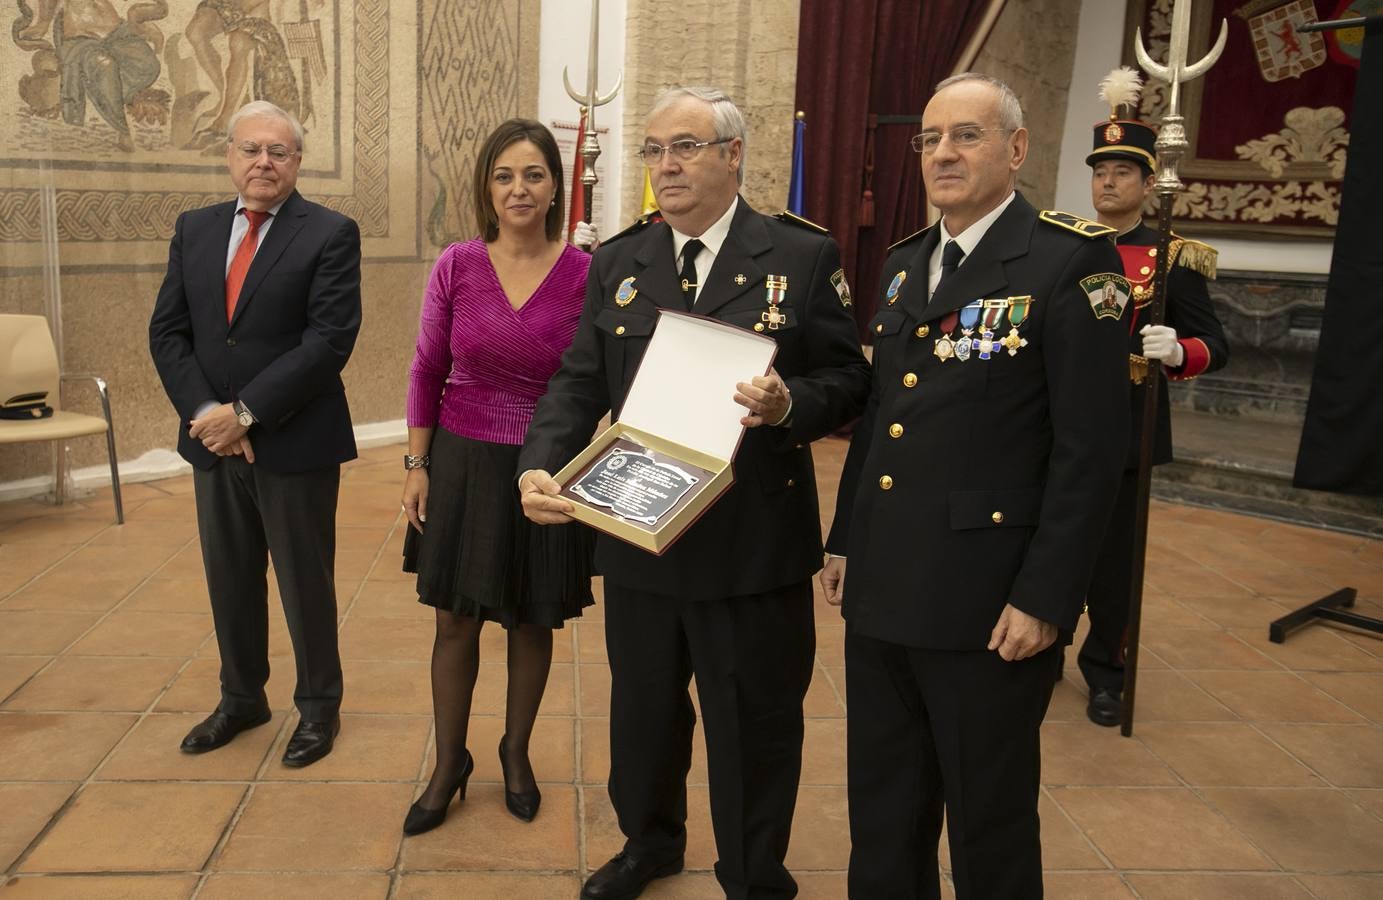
690 251
951 255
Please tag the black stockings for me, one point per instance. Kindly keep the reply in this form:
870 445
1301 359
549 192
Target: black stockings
455 665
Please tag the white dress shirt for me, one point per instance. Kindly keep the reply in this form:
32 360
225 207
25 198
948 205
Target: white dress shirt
967 239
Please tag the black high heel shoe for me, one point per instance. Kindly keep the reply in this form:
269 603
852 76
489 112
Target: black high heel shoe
425 818
523 804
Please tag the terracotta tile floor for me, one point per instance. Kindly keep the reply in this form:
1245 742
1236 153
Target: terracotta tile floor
1256 770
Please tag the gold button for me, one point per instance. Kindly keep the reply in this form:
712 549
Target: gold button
895 430
923 330
758 326
1152 251
910 380
998 517
1145 271
879 329
886 483
792 482
619 330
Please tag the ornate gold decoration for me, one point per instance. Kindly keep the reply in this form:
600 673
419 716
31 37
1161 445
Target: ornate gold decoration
1308 136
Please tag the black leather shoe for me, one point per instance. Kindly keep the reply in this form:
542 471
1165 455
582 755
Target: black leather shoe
522 804
1105 708
425 818
217 729
310 742
625 877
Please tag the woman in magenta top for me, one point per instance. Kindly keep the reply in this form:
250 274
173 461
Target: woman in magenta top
498 312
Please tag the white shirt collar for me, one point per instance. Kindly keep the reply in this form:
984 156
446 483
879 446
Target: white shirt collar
273 210
968 240
712 237
970 237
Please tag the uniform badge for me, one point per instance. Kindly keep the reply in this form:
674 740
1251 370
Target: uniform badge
1113 133
1108 294
891 294
1018 308
944 347
775 292
990 319
969 318
626 292
842 287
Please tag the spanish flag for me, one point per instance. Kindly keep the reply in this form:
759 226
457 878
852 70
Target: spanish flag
650 203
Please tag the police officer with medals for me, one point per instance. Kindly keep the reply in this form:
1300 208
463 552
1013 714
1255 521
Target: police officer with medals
731 601
1190 343
976 489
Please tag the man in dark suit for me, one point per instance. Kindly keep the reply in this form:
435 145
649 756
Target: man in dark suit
253 324
973 498
731 601
1191 342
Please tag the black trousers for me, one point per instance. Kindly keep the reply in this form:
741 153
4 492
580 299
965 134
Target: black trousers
1102 654
934 730
245 515
752 657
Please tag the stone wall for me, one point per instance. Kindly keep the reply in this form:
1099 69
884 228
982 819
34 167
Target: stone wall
1032 48
395 97
748 48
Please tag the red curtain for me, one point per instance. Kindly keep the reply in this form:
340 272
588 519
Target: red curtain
857 61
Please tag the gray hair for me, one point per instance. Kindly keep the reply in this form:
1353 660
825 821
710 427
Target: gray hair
726 117
1010 110
263 109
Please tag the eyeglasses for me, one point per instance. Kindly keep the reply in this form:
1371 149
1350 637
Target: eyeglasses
652 153
277 152
965 137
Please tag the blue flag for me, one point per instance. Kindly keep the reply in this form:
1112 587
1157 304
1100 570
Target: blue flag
797 189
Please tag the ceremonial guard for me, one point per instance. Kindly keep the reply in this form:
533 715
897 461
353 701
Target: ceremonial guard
978 484
1190 343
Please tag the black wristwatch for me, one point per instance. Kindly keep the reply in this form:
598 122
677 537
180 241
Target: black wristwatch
416 462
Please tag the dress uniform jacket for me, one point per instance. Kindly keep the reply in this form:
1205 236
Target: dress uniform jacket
1188 310
764 532
971 484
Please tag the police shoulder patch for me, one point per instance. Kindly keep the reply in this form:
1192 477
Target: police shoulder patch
1108 293
1083 227
638 225
842 287
912 237
794 219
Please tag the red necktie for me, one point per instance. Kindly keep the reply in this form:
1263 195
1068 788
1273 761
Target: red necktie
244 255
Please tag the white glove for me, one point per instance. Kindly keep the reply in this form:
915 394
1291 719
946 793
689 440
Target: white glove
584 236
1160 343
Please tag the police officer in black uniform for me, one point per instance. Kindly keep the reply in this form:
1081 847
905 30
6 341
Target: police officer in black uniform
1191 342
731 601
974 495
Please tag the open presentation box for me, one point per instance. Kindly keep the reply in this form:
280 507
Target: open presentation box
650 475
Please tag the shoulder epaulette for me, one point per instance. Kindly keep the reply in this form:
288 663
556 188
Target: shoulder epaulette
638 225
1083 227
794 219
1194 255
913 236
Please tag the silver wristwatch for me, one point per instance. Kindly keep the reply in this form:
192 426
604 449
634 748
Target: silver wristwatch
244 415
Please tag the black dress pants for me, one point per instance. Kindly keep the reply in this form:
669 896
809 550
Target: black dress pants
934 730
752 658
246 515
1101 657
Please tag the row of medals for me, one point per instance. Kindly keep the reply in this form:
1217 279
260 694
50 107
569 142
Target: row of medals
988 315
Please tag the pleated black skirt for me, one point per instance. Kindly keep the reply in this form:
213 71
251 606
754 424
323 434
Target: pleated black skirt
479 557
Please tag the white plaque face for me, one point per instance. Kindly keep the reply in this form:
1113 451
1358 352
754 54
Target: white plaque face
685 387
